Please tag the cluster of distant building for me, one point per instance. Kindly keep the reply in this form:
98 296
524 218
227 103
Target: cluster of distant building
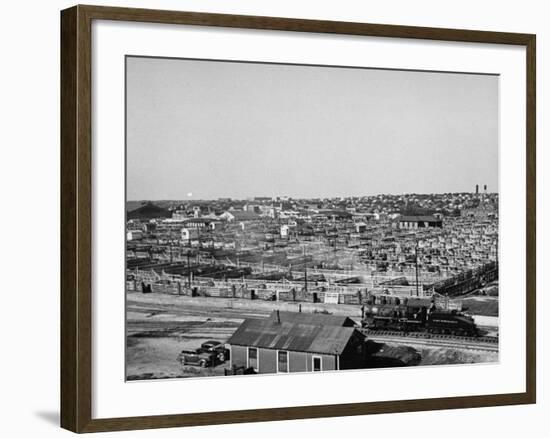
379 207
441 232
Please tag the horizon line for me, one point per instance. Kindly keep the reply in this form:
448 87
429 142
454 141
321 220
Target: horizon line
304 198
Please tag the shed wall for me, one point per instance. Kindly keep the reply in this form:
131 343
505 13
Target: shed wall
238 355
298 361
268 361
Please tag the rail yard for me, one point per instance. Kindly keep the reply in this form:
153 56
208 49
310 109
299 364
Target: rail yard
413 279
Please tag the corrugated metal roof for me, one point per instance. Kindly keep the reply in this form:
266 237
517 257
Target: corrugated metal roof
313 318
266 333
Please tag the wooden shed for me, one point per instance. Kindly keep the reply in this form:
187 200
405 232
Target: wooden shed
297 342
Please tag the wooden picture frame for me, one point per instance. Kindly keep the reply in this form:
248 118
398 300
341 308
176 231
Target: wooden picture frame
76 217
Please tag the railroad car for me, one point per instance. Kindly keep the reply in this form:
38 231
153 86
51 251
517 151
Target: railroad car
451 322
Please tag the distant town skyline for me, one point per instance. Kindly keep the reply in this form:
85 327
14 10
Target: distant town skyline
204 130
281 197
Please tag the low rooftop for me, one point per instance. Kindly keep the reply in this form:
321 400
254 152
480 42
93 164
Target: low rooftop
293 336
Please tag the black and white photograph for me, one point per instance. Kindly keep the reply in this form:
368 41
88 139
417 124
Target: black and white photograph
275 218
293 218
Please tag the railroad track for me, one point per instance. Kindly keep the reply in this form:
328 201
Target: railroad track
482 343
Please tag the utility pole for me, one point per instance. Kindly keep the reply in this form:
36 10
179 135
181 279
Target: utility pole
188 270
305 269
171 241
496 255
416 263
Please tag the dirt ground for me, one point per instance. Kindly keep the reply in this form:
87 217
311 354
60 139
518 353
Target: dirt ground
394 354
486 306
159 326
446 356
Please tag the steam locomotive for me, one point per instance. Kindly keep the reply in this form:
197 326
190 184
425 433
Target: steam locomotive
415 315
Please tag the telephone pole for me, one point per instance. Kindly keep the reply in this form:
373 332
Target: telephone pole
416 264
188 270
171 242
305 269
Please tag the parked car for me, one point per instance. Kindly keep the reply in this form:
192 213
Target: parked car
209 354
196 358
217 348
210 345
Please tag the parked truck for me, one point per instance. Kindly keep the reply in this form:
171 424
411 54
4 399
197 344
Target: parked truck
209 354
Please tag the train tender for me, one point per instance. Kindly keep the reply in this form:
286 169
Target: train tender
415 315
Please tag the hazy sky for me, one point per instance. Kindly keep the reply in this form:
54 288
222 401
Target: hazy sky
226 129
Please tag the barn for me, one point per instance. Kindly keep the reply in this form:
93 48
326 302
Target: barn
297 342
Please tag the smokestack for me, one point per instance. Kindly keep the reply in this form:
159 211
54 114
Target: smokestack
477 189
485 188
